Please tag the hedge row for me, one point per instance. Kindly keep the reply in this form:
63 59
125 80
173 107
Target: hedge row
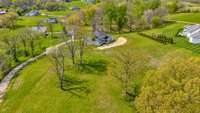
159 38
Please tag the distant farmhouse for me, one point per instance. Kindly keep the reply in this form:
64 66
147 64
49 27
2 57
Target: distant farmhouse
102 38
75 8
89 1
2 12
52 20
33 13
192 32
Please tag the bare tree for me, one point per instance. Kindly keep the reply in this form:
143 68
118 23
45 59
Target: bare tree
97 23
81 36
72 24
71 85
126 65
58 61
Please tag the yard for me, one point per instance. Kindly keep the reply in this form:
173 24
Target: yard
36 88
181 42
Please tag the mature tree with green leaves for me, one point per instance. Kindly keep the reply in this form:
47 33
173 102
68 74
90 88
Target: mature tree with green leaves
121 18
110 13
173 88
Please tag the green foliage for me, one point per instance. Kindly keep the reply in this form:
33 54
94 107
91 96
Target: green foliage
156 21
172 5
8 20
173 87
121 16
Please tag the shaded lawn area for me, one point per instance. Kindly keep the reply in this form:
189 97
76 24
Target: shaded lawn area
181 42
36 88
187 17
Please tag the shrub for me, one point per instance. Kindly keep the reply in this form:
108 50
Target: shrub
156 21
159 37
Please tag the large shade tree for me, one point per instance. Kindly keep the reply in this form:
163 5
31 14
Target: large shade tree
173 88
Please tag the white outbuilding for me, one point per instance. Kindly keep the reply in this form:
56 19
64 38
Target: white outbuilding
192 32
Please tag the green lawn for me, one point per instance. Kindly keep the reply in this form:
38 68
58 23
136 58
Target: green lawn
67 10
187 17
36 88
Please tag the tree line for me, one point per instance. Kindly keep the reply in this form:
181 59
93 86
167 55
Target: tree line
14 46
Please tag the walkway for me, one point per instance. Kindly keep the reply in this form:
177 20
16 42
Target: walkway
5 82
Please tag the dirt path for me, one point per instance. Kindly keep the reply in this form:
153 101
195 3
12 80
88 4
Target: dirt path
119 42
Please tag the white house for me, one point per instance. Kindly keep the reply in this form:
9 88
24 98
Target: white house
192 32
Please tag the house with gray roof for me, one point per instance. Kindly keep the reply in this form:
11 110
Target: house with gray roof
192 32
102 38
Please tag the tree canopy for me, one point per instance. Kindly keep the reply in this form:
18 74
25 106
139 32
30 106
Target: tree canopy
173 88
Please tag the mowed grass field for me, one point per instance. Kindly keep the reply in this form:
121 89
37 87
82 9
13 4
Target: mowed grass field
36 88
187 17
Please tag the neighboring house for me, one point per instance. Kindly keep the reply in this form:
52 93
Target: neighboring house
192 32
102 38
40 29
33 13
89 1
2 12
75 8
52 20
68 0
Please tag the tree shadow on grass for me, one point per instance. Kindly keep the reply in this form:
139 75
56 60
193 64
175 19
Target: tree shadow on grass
75 86
94 66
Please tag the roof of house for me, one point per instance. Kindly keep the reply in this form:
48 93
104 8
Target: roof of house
52 20
33 13
99 34
41 29
75 8
192 28
196 35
